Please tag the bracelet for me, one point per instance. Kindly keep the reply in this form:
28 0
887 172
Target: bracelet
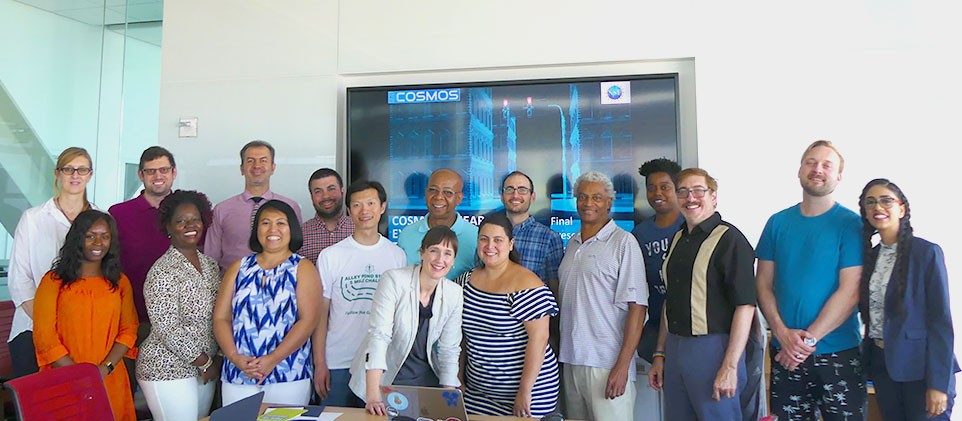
110 366
657 354
203 368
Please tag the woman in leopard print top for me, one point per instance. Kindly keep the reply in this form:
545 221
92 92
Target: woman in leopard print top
176 366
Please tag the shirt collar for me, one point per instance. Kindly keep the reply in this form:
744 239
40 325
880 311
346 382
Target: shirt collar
141 201
246 195
603 235
707 225
524 223
341 221
458 222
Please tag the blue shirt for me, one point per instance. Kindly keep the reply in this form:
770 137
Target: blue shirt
808 253
410 241
540 248
654 242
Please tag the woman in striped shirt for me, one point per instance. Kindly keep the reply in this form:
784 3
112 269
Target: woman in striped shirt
510 370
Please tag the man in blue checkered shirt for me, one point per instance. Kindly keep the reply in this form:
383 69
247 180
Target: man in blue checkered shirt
540 248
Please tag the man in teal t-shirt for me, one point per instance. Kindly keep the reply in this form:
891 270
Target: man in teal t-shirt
442 197
809 267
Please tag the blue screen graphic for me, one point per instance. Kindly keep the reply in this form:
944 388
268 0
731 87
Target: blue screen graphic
553 131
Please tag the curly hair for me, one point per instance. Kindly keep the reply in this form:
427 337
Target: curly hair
870 254
71 257
168 206
657 165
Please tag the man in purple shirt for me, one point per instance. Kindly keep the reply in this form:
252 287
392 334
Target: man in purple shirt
230 230
330 225
142 240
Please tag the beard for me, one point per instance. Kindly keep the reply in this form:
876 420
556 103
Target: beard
819 191
335 211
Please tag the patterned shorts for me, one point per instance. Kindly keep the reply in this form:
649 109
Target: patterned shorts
830 384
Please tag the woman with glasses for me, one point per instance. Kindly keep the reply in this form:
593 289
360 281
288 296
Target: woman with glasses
904 303
175 368
36 241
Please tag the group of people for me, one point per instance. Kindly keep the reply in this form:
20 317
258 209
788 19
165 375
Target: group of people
176 296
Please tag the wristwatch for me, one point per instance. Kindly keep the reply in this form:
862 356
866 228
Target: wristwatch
110 366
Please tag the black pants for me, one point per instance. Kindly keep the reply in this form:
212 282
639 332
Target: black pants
23 355
900 400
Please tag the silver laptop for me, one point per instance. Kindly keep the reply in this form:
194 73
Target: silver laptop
413 403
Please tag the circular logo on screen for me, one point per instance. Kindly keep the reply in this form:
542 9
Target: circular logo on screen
397 401
614 92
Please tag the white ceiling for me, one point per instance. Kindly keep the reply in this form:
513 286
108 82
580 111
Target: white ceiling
143 16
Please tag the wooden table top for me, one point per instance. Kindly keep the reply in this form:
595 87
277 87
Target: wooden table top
359 414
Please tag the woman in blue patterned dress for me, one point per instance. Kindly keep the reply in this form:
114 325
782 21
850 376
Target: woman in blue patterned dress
266 309
510 370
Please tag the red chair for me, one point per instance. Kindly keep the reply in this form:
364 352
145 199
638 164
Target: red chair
74 392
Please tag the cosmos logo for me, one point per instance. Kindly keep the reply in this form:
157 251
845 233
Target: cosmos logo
424 95
616 92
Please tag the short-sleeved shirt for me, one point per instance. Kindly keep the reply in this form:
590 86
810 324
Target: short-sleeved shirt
142 242
598 279
410 241
708 273
317 237
654 241
808 253
230 231
540 248
350 272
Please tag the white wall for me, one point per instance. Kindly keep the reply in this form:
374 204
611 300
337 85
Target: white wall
880 79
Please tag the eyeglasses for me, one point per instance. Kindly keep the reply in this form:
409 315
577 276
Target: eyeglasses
434 191
597 198
698 192
885 201
152 171
72 170
521 190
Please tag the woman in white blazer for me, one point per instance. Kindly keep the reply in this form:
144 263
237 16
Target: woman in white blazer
415 325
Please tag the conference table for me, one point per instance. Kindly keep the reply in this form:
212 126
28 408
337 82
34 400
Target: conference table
359 414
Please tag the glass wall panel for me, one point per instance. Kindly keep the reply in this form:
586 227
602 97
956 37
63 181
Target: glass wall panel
74 73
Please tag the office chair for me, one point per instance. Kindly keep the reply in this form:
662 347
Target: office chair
74 392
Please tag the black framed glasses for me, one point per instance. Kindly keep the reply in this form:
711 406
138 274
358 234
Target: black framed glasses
152 171
72 170
698 192
885 201
521 190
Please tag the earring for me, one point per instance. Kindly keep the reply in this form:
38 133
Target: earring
168 235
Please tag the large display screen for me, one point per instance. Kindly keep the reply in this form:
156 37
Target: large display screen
552 130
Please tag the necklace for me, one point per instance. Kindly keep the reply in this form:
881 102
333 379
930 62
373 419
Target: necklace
56 201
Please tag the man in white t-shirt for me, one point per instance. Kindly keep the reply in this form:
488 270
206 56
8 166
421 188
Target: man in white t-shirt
349 272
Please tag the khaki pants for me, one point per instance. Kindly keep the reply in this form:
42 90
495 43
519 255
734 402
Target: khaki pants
584 391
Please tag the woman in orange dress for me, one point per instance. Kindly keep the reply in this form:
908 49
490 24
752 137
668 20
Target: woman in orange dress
84 309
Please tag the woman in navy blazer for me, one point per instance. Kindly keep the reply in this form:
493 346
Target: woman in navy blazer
904 303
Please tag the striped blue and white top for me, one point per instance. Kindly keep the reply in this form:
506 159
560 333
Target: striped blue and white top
495 344
264 309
